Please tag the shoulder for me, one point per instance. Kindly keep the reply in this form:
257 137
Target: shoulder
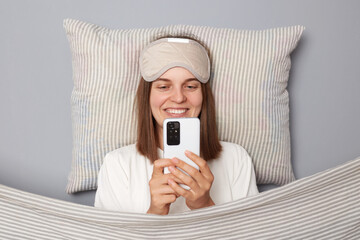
128 158
125 153
233 148
120 157
129 149
234 154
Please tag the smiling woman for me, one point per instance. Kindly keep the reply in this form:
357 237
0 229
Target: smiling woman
174 84
177 93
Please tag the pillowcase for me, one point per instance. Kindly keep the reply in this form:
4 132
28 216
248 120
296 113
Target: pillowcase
250 71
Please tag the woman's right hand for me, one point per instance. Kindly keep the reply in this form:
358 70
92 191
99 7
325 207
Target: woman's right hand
162 195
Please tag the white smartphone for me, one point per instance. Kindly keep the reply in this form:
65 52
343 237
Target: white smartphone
180 134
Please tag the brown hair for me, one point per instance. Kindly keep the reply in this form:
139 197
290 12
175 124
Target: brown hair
147 139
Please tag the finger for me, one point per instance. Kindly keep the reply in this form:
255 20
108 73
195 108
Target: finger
186 179
193 172
162 180
170 198
172 176
163 190
160 164
178 190
203 166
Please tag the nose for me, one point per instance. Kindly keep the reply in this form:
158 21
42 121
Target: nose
178 95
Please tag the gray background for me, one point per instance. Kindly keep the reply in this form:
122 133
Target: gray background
36 78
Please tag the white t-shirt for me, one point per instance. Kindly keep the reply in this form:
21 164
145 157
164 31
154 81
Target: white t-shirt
123 180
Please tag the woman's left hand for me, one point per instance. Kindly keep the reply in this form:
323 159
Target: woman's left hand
199 181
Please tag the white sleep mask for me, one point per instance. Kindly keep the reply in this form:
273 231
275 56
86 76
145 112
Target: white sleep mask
163 54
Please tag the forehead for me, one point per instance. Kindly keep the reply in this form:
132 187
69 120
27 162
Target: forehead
177 73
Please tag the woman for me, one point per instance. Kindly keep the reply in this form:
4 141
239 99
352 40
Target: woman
175 83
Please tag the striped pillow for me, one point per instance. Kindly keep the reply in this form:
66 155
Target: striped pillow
250 70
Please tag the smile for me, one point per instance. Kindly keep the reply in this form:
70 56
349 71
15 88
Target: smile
176 111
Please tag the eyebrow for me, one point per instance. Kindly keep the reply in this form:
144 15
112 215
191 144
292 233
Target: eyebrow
166 79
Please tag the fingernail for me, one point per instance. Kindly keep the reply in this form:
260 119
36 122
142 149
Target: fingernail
171 168
187 152
175 160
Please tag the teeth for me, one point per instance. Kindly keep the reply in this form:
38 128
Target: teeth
176 111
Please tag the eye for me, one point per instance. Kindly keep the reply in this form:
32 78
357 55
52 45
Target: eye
191 86
162 87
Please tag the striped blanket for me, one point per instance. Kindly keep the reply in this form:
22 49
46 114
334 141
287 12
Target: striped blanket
323 206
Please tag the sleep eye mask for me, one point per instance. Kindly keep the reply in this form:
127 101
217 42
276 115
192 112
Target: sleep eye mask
163 54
